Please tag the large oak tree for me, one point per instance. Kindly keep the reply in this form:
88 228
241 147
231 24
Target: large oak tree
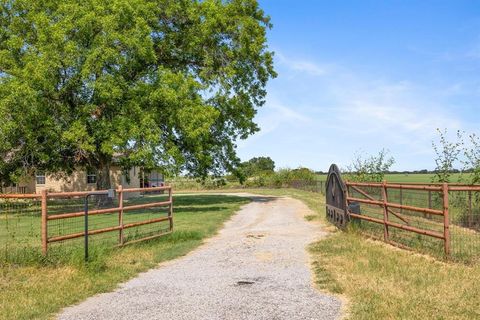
170 83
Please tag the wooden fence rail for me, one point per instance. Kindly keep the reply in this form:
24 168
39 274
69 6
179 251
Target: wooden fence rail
121 208
388 206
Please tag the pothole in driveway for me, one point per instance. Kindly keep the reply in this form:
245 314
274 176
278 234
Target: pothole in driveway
255 236
249 281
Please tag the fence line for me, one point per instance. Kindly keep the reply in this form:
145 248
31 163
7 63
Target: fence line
440 211
312 186
386 209
31 222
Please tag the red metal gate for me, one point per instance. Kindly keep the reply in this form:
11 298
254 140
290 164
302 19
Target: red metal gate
383 205
60 224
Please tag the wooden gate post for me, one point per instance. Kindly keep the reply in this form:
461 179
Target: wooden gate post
385 211
429 216
470 214
346 195
170 209
401 199
446 220
44 229
120 215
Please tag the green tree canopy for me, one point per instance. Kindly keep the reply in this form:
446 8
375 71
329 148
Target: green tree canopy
170 83
258 165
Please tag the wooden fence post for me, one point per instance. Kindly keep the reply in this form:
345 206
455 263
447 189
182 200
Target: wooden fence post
429 199
401 199
385 212
470 213
429 216
44 229
170 209
120 215
446 220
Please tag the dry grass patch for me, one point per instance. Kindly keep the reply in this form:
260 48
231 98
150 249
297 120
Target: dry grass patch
384 282
387 283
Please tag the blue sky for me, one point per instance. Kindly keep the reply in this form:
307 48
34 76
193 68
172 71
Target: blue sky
359 76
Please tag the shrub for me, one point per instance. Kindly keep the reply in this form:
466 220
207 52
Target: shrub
282 178
370 169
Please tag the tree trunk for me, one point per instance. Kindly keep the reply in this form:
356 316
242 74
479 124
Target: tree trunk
103 178
104 183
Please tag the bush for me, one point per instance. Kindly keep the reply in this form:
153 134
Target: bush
448 154
283 178
370 169
303 178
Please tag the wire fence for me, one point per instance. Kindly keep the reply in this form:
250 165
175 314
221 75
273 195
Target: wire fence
310 185
65 235
401 223
33 225
463 220
440 220
20 225
464 207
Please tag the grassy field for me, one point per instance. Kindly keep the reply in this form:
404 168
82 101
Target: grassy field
37 289
384 282
406 178
378 280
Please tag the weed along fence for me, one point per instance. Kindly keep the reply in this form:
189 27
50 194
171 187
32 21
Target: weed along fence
34 225
439 219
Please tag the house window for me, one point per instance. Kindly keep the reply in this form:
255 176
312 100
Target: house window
91 177
40 177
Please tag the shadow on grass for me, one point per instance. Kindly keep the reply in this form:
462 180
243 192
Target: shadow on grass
196 210
205 200
190 200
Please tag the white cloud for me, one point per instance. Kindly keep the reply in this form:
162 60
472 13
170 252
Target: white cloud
276 116
301 65
318 117
393 116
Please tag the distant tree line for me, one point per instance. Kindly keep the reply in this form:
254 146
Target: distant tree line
423 171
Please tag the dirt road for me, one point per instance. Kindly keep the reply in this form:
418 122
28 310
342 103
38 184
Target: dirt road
255 268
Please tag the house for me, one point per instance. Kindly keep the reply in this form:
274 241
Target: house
86 180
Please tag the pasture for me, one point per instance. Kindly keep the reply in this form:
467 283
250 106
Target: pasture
390 283
406 177
36 288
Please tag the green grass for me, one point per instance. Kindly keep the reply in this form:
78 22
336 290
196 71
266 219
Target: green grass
37 289
379 281
406 178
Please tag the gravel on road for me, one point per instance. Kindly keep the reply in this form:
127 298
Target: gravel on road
257 267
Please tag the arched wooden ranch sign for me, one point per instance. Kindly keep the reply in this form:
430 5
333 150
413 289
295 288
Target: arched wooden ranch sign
336 198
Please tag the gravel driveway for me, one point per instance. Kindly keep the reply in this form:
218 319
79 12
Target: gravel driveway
255 268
